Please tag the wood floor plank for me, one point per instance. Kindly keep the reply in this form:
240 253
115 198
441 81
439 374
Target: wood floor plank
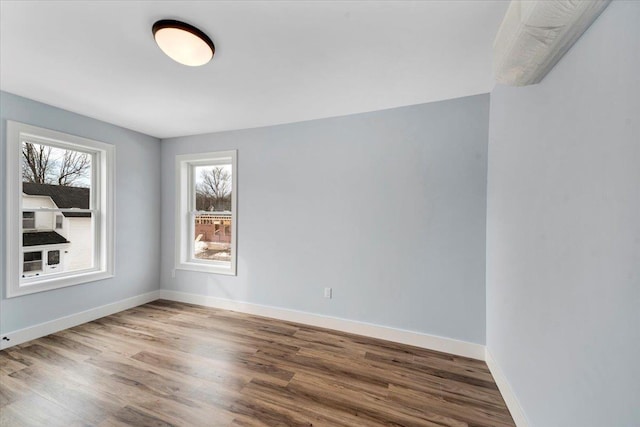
367 405
315 409
35 410
173 364
11 390
9 363
67 391
130 415
480 417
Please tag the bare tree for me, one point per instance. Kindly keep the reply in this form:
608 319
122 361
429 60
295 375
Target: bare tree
35 163
41 166
74 165
214 190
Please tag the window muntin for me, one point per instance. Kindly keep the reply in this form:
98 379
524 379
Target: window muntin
61 188
206 212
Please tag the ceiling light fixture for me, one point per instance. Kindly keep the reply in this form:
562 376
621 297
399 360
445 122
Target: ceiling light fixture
183 43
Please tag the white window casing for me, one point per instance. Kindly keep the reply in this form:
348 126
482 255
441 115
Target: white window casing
102 209
186 212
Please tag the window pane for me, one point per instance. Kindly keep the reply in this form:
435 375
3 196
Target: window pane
47 165
59 221
55 177
33 256
213 236
213 188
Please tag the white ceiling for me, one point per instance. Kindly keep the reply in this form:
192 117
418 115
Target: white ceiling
275 62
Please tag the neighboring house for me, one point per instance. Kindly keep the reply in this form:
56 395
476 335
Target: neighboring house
214 227
54 242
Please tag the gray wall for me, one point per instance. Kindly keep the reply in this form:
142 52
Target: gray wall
563 232
387 208
137 219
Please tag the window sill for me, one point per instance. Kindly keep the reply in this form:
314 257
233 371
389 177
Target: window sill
43 285
203 268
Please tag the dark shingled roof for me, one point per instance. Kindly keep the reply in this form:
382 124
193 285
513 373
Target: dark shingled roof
63 196
36 238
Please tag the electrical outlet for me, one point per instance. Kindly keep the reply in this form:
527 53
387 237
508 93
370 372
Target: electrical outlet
327 293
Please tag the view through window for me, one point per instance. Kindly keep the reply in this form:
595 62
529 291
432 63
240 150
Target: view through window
212 214
57 221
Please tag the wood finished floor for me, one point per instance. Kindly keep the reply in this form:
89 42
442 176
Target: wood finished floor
168 363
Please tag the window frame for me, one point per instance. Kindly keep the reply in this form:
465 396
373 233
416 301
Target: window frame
102 208
185 208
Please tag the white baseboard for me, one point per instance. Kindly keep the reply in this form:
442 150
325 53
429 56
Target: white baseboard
40 330
418 339
431 342
517 413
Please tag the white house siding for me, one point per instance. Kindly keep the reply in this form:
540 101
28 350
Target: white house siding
64 231
80 252
44 250
44 220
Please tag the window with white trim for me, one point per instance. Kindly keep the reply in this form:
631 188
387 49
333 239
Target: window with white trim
60 211
206 212
32 262
59 221
28 220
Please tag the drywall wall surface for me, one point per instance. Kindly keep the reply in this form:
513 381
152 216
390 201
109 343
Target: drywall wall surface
137 216
387 208
563 232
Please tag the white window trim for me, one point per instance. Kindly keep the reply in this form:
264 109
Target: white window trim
184 183
104 240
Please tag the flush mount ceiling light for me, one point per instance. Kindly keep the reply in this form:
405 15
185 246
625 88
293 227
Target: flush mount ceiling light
183 43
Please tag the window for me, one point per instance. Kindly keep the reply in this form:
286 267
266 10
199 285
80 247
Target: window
59 201
28 220
32 262
53 257
206 212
